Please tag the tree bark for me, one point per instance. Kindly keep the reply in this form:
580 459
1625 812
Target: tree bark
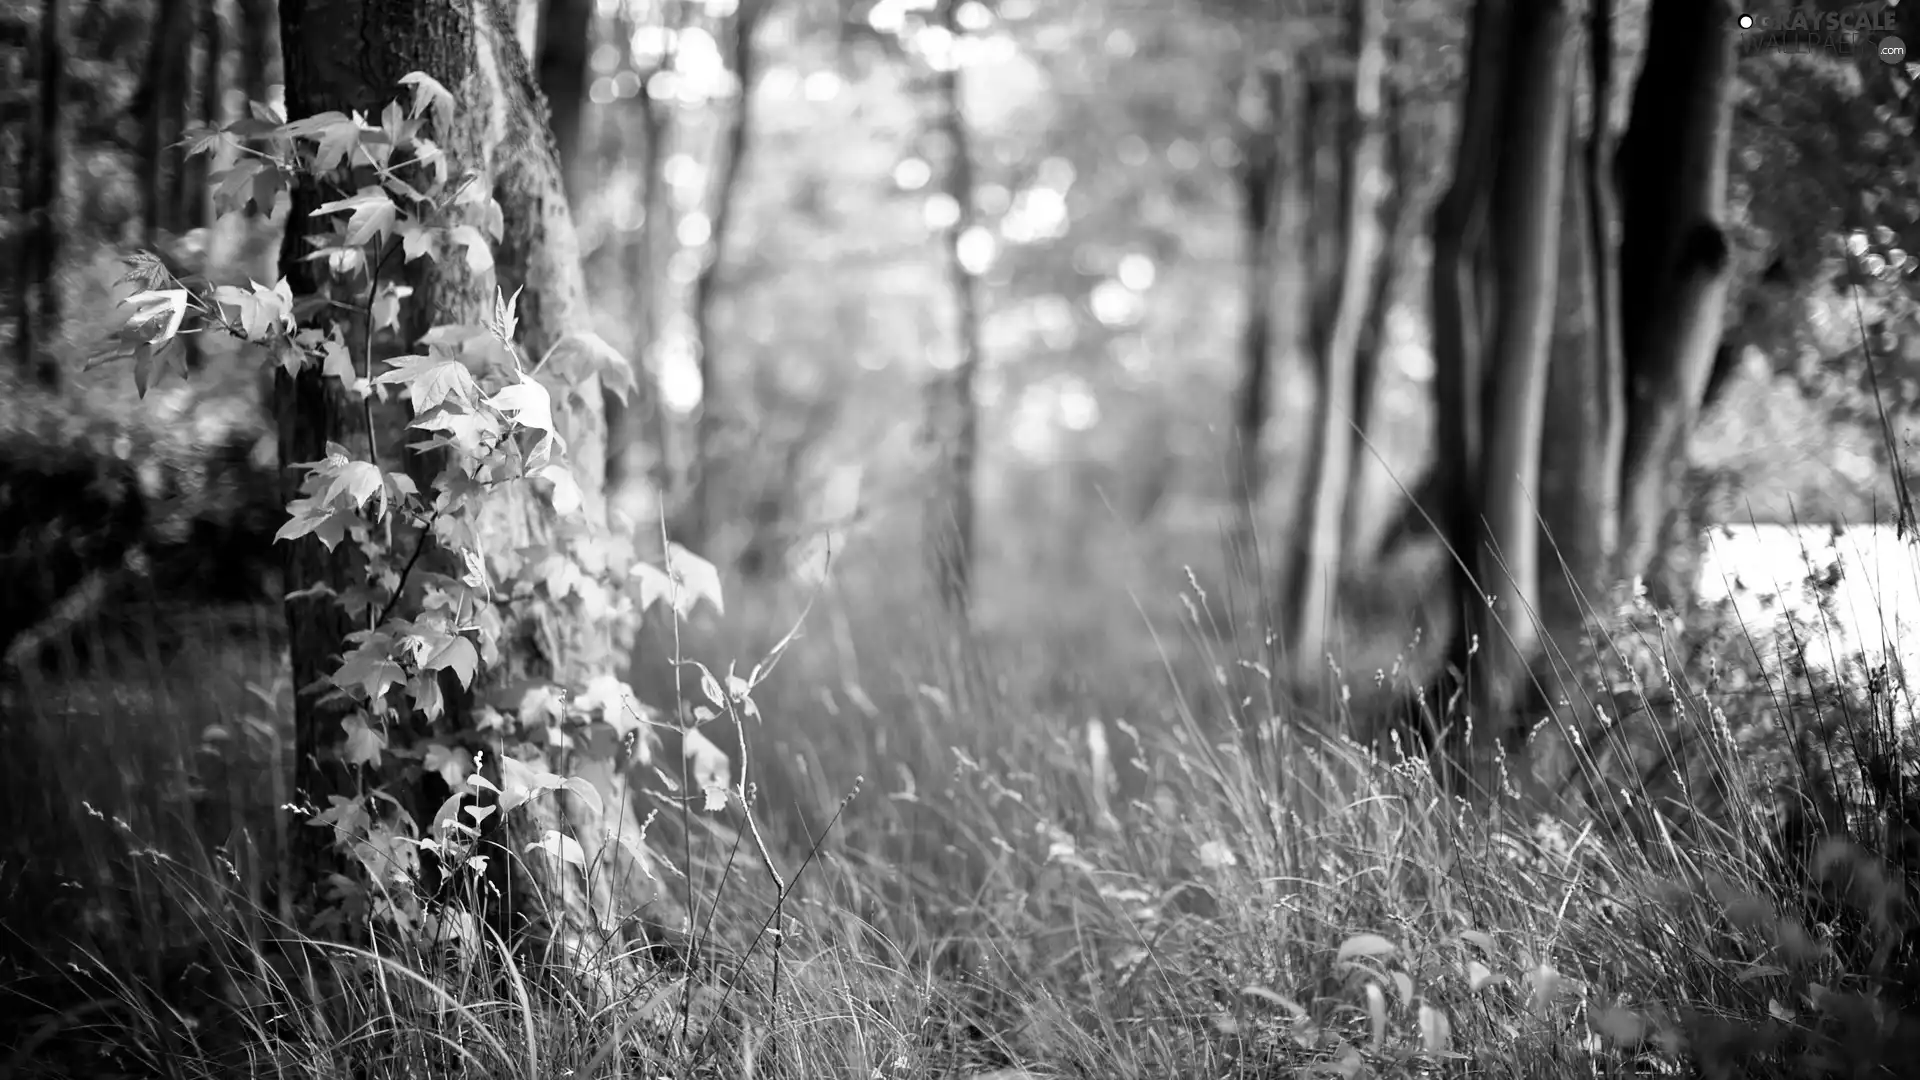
1674 258
706 285
1525 233
258 48
952 428
471 47
1315 573
162 107
1399 222
45 144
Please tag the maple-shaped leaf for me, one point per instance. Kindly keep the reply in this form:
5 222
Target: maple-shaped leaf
373 214
567 497
695 579
417 240
357 481
453 763
431 381
364 745
368 669
336 141
479 251
521 782
527 402
458 655
337 363
157 313
428 94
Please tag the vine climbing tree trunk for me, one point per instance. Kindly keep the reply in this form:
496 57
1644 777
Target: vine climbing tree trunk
498 136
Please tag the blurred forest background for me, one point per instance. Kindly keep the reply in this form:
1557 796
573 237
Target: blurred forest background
770 220
1141 293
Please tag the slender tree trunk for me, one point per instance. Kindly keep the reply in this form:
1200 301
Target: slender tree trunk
638 453
471 47
162 107
1398 226
565 36
1317 563
706 286
952 428
1526 235
1674 258
40 313
258 48
1269 98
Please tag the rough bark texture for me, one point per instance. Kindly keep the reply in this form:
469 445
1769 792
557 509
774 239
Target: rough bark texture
1355 256
471 47
952 427
39 303
706 287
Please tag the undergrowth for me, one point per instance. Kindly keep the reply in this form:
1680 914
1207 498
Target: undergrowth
1202 884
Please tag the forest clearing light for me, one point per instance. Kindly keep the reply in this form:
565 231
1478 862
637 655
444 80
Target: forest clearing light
1136 272
1762 570
973 16
976 250
1114 304
822 87
722 9
694 230
680 385
912 174
940 211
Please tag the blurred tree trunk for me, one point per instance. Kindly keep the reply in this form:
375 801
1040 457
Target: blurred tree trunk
44 149
195 199
1674 256
952 425
1351 260
471 47
565 40
1270 104
1586 387
258 49
639 459
700 497
1399 226
162 105
1496 237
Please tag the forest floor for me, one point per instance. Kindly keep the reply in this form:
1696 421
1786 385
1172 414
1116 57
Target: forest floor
1070 865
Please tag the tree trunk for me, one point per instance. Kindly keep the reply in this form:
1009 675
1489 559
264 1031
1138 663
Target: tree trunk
1399 222
1580 464
1674 258
1270 97
565 36
706 286
162 107
638 459
1315 573
258 49
470 47
1525 234
952 428
45 145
